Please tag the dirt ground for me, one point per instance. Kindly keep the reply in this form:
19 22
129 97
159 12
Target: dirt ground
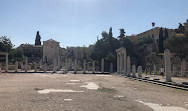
85 92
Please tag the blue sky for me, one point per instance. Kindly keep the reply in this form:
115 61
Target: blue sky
79 22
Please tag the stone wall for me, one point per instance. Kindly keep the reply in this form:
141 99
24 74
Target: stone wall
51 51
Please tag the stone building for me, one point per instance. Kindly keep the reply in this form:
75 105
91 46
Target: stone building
51 51
31 51
152 33
34 52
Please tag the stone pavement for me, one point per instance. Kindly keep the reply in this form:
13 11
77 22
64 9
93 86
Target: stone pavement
85 92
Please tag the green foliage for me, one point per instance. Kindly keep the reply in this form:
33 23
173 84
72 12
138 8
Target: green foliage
140 51
105 48
148 40
5 44
165 34
16 55
161 47
110 32
180 29
178 45
122 33
127 43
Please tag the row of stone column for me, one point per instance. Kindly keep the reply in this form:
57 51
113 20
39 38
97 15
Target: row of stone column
25 66
93 66
6 60
122 61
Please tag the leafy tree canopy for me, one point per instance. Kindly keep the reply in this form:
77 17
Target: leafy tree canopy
5 44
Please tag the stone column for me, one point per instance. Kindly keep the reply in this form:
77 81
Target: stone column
45 67
128 66
133 71
183 68
75 66
59 62
26 64
139 70
6 67
35 66
167 65
111 67
54 67
93 68
154 69
16 66
88 66
118 64
84 67
174 68
125 63
0 66
66 64
22 66
41 67
102 65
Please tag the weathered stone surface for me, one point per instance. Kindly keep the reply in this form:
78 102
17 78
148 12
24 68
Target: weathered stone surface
174 70
139 70
121 60
183 68
125 63
118 61
133 71
54 65
45 67
6 67
154 69
16 66
75 66
93 67
102 65
51 50
167 65
111 67
35 66
22 66
26 64
84 67
128 66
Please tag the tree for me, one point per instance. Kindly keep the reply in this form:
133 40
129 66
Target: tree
165 34
160 44
16 55
105 48
178 45
153 24
122 33
105 34
110 32
5 44
126 43
180 29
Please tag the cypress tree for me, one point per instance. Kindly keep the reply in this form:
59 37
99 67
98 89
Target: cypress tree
161 48
165 34
110 32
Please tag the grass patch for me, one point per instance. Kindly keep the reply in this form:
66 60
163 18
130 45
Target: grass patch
107 90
